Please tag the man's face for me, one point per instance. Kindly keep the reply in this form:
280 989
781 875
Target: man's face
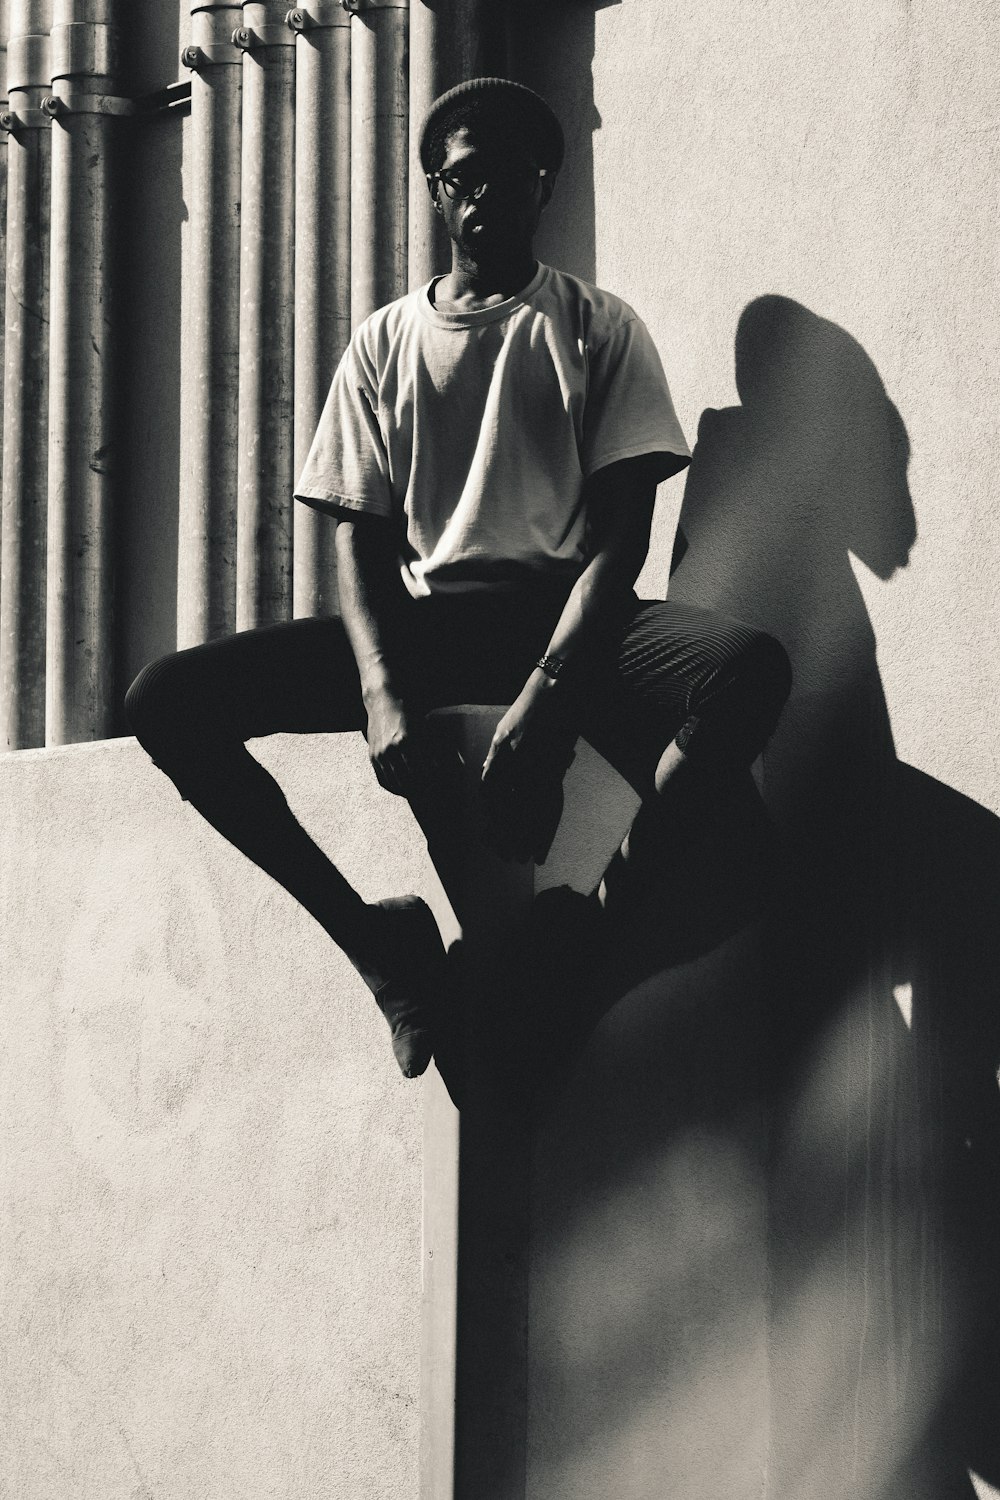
491 197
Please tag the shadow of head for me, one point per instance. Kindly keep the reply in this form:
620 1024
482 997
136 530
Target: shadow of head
806 378
810 469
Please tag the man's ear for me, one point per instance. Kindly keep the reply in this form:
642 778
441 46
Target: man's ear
548 188
432 189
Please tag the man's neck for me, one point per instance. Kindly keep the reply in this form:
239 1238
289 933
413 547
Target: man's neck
478 284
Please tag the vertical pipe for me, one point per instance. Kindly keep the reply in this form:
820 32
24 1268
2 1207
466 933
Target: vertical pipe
265 473
210 320
450 40
379 136
4 112
26 352
322 263
78 677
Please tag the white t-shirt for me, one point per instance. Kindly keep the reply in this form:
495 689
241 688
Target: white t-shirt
475 431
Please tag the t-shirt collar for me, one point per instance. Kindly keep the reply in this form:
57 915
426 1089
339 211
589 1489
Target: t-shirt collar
474 317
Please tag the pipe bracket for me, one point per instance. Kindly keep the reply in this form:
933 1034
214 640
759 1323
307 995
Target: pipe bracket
253 38
57 106
13 121
195 58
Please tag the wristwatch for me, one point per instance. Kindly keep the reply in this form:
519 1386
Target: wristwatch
550 665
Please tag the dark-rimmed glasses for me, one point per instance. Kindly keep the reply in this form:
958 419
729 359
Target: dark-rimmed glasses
514 180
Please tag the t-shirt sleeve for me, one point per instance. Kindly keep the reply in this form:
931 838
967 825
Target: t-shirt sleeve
628 411
347 468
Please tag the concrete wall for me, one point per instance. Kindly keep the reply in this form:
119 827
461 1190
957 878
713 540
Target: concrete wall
843 158
800 201
210 1252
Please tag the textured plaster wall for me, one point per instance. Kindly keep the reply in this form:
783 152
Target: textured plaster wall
844 156
766 1220
210 1245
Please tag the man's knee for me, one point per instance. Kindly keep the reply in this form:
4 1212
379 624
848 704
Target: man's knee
160 707
769 666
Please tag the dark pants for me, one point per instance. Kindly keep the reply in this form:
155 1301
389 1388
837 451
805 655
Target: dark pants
661 672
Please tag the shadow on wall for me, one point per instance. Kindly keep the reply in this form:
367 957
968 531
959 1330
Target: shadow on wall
883 1030
563 31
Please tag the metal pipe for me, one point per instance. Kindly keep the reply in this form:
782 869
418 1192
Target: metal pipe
210 320
450 40
265 467
4 112
26 352
322 263
79 655
379 136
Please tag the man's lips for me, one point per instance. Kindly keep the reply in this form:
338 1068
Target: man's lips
475 223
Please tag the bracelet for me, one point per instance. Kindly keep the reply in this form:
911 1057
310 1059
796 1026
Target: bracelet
550 665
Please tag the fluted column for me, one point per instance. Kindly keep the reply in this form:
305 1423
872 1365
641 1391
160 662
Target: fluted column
79 654
26 407
379 136
210 320
322 263
266 453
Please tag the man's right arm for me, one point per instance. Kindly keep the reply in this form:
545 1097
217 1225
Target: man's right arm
372 595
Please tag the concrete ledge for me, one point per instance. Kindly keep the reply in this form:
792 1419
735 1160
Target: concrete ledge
223 1207
211 1197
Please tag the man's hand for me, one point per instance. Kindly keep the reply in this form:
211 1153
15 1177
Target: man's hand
523 771
396 746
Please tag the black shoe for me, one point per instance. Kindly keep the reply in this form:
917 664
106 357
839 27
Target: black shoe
411 999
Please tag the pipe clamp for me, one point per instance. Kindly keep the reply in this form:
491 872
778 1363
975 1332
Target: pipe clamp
13 121
195 58
56 106
252 38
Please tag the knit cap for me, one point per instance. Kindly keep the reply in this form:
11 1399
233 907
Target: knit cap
514 100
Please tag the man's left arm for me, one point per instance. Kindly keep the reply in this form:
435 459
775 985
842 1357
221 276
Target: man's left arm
619 500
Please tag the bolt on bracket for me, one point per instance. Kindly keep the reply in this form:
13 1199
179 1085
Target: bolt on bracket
195 58
321 15
248 39
56 107
14 121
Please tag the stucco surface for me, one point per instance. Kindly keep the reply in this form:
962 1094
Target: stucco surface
801 203
211 1180
844 157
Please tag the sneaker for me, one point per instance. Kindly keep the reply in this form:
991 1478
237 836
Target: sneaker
411 998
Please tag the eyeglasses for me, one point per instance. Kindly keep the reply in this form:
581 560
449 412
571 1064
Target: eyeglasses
514 180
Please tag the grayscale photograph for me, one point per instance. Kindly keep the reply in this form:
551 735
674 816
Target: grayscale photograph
499 776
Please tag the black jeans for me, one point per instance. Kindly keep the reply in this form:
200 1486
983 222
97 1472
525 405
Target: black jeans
661 671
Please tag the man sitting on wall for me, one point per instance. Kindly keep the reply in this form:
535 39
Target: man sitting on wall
491 447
